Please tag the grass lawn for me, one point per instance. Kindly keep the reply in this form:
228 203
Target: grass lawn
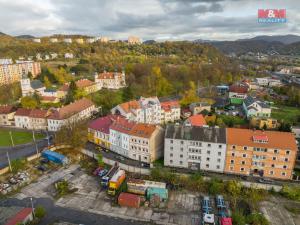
286 113
19 137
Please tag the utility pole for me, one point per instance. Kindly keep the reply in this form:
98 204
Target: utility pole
36 147
48 138
11 138
9 161
32 207
13 145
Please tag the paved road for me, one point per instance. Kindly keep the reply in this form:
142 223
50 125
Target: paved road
19 151
56 213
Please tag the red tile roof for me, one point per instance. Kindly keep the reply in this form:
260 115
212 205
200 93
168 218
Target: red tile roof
71 109
142 130
84 83
127 106
19 217
22 112
168 105
108 75
38 113
122 125
48 98
6 109
103 123
276 139
197 120
238 89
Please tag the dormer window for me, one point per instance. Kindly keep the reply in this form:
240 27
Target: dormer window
260 139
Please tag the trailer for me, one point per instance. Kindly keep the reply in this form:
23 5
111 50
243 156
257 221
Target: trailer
105 179
138 186
206 205
115 182
220 202
55 157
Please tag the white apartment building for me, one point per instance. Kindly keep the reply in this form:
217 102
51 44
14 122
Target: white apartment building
110 80
138 141
196 148
78 110
149 110
22 118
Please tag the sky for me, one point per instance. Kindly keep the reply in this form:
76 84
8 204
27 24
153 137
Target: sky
147 19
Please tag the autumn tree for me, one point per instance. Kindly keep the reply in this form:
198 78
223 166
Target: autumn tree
158 84
70 97
47 82
29 102
190 95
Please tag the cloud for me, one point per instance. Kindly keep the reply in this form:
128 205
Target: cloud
149 19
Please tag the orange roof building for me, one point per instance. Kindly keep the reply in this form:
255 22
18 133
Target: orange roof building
196 121
260 153
110 80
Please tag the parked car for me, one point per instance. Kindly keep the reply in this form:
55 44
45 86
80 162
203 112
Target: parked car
44 160
266 181
41 168
102 173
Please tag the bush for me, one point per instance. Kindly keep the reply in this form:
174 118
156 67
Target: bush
238 218
257 219
216 187
17 165
292 193
40 212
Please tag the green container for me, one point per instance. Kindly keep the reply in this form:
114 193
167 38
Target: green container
161 192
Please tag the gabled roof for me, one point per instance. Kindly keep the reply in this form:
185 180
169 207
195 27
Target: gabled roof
22 112
128 106
84 83
238 89
6 109
38 113
71 109
197 120
168 105
122 125
250 100
103 123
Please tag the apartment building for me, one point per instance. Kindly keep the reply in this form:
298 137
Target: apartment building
10 73
7 113
98 130
256 108
197 148
110 80
78 110
38 119
269 154
22 118
6 61
149 110
143 142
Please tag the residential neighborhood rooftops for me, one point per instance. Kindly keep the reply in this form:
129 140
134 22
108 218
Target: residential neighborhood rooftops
238 88
168 105
258 138
22 112
205 134
142 130
122 125
84 83
250 100
71 109
127 106
196 120
6 109
38 113
103 123
36 84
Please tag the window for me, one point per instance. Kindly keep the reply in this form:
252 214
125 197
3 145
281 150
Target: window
232 154
171 141
271 172
219 153
171 148
220 146
171 155
180 162
243 162
275 151
219 160
231 168
232 161
244 155
284 167
286 159
283 174
208 152
233 146
207 159
274 158
181 142
287 152
272 165
181 156
242 169
181 149
207 165
171 161
218 167
245 148
208 145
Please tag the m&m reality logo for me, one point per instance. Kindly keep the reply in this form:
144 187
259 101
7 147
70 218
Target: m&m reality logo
272 16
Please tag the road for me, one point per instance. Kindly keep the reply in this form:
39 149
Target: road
19 151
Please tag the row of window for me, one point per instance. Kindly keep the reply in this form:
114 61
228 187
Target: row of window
192 150
274 158
195 143
276 151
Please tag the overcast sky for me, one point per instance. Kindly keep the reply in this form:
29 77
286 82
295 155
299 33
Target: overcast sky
148 19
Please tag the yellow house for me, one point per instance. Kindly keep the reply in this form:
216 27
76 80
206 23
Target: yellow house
98 131
267 123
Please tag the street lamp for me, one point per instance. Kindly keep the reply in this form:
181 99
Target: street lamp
32 207
36 147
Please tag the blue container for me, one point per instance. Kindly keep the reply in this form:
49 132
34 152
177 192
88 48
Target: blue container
55 157
161 192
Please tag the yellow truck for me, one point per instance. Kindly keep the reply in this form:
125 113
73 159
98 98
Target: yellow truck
116 182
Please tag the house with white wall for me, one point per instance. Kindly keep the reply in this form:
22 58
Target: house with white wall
256 108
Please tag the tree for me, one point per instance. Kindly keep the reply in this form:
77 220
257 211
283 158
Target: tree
40 211
158 84
190 95
70 97
238 218
127 94
100 160
73 133
47 83
29 102
257 219
30 76
234 189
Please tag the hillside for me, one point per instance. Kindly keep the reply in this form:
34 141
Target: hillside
284 39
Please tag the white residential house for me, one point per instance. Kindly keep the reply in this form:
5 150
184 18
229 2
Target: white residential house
29 87
7 113
196 148
78 110
22 118
256 108
110 80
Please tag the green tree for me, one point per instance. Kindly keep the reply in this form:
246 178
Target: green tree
127 94
29 102
257 219
234 189
40 212
70 97
238 218
100 160
47 83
